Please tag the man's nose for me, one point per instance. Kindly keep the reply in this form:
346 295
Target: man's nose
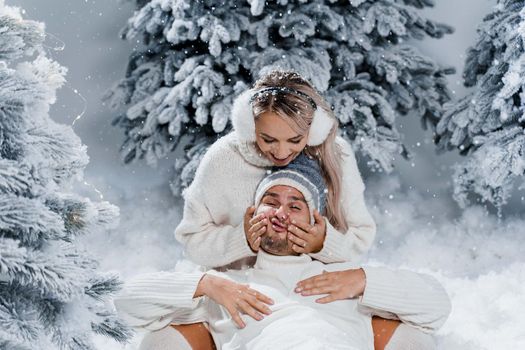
281 214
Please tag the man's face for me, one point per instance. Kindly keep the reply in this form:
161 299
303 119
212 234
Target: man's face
284 204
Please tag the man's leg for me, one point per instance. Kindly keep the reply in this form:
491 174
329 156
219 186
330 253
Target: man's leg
383 330
167 338
197 335
182 337
410 338
388 335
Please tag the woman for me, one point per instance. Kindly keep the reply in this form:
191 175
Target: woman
282 116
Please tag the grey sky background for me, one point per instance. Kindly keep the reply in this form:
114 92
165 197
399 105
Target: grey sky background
97 58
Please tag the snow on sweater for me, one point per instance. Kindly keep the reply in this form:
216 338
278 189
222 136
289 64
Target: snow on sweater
155 300
224 186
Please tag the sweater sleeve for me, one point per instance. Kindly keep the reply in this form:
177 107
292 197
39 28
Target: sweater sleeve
415 299
153 301
205 241
352 244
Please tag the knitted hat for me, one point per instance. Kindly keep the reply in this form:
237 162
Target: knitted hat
303 174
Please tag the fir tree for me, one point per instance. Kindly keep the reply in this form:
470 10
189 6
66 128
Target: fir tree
52 295
197 56
488 125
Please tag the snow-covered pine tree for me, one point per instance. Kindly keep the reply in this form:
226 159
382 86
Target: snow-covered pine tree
52 294
196 56
488 125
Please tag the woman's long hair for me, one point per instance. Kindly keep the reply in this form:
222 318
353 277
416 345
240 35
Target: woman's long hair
298 113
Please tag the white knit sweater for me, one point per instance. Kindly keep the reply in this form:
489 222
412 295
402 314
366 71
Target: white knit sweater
155 300
224 186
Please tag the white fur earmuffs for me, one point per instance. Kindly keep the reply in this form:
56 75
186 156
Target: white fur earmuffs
243 121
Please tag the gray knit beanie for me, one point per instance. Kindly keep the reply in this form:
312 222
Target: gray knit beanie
304 174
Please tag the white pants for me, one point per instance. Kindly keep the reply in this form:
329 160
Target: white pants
167 338
404 338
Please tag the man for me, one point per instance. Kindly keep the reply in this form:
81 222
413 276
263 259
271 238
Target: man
261 308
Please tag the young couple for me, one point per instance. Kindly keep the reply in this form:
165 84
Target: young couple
281 197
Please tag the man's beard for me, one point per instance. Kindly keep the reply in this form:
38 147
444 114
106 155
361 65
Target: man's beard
274 245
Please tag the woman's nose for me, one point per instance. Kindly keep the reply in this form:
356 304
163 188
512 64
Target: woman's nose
281 152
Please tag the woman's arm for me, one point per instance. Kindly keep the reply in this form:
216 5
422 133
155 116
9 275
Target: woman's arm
206 242
352 244
152 301
416 299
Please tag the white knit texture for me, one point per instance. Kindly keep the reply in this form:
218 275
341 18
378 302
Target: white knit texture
146 301
387 290
212 229
409 338
164 339
164 298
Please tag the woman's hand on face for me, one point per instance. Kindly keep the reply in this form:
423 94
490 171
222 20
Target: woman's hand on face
254 227
339 285
236 298
308 238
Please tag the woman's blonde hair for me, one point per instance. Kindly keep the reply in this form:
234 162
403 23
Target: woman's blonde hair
298 112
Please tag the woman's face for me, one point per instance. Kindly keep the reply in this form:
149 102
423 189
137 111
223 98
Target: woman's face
277 140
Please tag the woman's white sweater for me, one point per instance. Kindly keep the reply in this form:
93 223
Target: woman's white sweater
212 228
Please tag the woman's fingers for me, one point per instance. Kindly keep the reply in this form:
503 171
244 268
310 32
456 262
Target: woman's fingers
313 281
249 310
257 218
297 240
258 224
255 234
298 231
311 285
259 305
312 239
327 299
236 317
303 226
253 303
318 290
260 296
255 238
318 217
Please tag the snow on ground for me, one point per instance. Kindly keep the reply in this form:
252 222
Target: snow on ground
477 257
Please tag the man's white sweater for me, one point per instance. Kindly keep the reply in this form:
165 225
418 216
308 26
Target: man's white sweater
155 300
224 186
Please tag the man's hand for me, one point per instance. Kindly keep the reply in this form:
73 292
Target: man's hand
339 285
308 238
235 297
